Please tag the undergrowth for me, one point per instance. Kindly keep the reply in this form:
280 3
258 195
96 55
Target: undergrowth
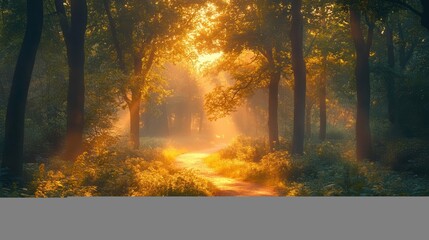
326 169
115 170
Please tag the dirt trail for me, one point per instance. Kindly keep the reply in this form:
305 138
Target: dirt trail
227 186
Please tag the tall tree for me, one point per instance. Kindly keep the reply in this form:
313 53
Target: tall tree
134 101
14 125
299 71
325 25
362 75
256 54
74 37
143 33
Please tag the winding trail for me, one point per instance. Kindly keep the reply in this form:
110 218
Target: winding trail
227 186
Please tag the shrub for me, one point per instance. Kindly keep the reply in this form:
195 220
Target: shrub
159 182
302 168
277 165
407 155
327 169
52 183
330 171
112 172
328 152
235 168
246 149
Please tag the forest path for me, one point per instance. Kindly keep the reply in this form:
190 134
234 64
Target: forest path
227 186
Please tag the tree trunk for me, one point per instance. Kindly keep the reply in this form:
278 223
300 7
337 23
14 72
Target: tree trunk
308 111
76 88
322 101
273 103
299 71
390 77
134 106
74 37
363 131
14 125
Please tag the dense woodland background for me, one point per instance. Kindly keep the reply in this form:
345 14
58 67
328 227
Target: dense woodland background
322 97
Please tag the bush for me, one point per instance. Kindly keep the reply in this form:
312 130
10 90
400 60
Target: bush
328 152
277 165
114 172
235 168
246 149
330 171
159 182
407 155
356 179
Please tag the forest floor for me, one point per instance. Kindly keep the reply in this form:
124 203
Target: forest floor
226 186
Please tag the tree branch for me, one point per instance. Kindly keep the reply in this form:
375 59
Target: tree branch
310 47
149 62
